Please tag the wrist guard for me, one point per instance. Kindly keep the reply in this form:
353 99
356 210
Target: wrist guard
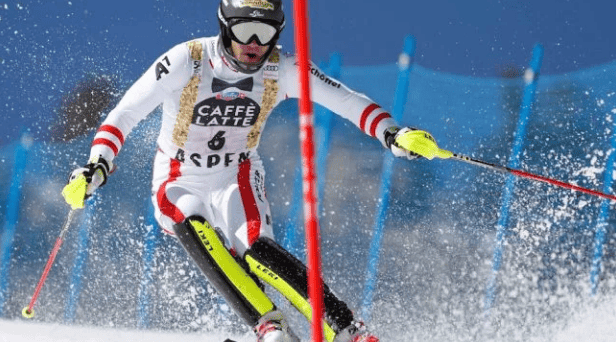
97 167
390 136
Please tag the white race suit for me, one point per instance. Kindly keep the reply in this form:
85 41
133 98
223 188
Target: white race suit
213 116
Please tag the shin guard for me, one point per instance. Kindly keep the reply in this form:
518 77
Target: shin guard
238 288
280 269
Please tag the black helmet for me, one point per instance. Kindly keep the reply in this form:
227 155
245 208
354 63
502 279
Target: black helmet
251 13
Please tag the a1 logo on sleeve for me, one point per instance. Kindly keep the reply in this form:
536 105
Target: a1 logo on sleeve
161 67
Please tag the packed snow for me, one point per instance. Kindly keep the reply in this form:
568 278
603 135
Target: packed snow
594 324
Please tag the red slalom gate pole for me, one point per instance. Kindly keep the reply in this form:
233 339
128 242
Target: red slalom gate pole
315 285
28 311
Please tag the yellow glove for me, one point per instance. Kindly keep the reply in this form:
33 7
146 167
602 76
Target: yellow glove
84 181
74 192
411 143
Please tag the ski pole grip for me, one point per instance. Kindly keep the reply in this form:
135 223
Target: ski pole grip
444 154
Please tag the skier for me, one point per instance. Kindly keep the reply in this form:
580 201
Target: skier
208 179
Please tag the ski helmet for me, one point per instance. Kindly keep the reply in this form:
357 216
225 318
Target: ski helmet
250 20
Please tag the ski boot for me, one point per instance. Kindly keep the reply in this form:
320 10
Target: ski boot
274 328
356 332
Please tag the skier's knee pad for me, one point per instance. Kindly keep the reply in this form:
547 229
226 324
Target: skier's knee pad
280 269
205 247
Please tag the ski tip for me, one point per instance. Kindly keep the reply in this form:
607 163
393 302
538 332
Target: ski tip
228 340
27 313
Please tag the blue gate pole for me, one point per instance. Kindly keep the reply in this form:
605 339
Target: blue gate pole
323 123
151 242
323 130
400 97
601 228
12 215
83 243
530 78
291 237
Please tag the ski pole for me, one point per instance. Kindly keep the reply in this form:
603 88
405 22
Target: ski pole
428 149
524 174
28 311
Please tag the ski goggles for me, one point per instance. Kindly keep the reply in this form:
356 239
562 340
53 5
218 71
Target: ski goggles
246 31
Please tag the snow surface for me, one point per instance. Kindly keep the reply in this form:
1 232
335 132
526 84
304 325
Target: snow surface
596 324
592 325
17 331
